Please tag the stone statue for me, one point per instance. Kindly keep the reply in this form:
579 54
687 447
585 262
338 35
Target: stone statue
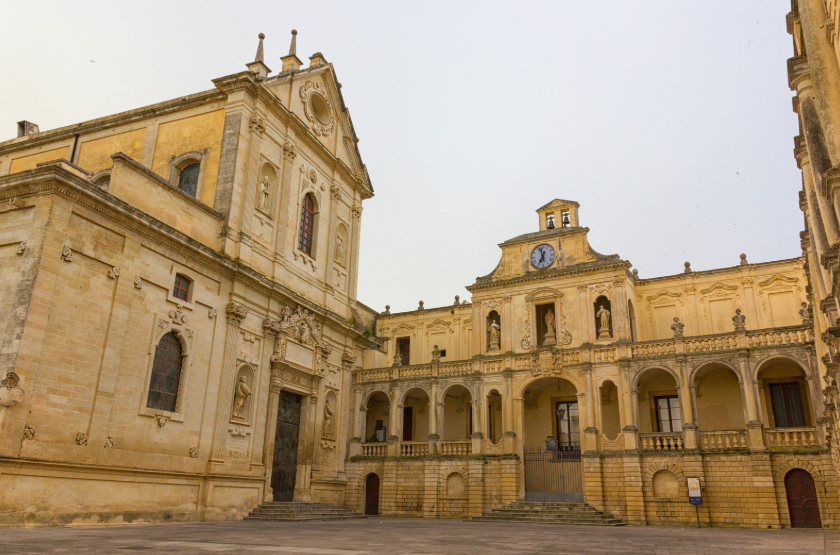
265 187
678 327
807 315
436 354
603 316
329 429
550 337
397 356
739 320
494 336
339 249
240 397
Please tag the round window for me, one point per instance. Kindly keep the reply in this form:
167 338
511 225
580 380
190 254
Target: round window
321 109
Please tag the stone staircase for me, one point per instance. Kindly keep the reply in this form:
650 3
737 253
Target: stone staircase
550 513
285 511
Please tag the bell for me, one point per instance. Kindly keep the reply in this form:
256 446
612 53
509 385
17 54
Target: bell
566 221
550 223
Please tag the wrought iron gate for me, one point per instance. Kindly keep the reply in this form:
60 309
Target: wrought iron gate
553 475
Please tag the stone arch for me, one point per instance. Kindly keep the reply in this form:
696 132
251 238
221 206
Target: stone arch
609 401
787 464
660 464
494 403
571 377
414 414
456 423
664 485
765 361
634 384
408 389
371 393
449 385
692 375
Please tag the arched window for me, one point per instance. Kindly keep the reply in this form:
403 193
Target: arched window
182 288
307 224
166 374
188 178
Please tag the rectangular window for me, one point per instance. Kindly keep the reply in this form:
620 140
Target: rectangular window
408 421
182 288
307 224
442 353
787 405
668 418
404 348
568 425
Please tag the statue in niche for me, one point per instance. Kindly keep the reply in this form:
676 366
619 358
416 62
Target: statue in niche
603 316
339 249
494 336
329 427
304 333
550 336
265 188
240 396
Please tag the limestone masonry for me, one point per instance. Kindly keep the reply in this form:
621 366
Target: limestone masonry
181 337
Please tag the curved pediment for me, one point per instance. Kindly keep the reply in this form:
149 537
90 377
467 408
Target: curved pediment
544 293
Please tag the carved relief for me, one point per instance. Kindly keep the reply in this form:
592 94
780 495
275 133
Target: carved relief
526 339
66 253
357 211
289 151
109 442
161 420
138 283
81 438
194 452
10 392
494 304
212 313
29 432
236 313
317 108
21 247
257 124
600 289
178 317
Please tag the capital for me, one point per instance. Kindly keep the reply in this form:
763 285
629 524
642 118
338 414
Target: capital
235 313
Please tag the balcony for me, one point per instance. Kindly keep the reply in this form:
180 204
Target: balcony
724 440
790 438
662 443
374 449
456 448
414 448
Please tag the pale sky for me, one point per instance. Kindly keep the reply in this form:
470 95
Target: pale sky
669 122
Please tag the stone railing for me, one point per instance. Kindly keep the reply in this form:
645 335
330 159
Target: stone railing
775 337
797 335
662 442
374 449
414 448
724 439
658 349
790 437
456 447
710 344
448 369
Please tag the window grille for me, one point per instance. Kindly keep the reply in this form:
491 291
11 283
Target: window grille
307 225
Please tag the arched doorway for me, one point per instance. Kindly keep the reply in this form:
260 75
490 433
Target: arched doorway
551 450
372 494
802 500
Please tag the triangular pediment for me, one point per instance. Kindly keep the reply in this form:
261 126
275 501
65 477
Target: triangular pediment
557 203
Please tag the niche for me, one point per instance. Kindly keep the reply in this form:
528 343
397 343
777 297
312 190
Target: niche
494 332
265 189
242 394
341 245
603 318
542 311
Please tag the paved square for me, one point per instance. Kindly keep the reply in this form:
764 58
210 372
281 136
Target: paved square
409 536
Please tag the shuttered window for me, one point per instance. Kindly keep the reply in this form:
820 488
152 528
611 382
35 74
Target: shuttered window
166 374
307 224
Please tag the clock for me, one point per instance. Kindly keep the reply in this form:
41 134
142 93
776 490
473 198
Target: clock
542 256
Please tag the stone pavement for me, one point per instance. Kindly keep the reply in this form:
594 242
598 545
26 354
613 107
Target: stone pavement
409 536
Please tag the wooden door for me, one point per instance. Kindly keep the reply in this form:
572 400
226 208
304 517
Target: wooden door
408 417
372 495
802 500
284 465
787 405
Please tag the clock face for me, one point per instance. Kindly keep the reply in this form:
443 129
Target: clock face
542 256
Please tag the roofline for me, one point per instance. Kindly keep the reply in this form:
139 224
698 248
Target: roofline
713 271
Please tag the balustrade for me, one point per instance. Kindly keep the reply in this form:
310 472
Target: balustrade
414 448
413 372
653 349
456 447
711 344
374 449
662 442
772 338
724 439
791 437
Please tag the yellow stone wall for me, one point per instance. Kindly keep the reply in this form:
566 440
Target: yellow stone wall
95 155
29 161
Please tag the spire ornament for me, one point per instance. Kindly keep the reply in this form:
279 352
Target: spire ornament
291 62
258 67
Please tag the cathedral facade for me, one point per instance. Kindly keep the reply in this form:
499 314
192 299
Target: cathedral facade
182 339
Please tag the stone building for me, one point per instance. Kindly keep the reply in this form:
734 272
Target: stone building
181 337
814 76
570 378
178 303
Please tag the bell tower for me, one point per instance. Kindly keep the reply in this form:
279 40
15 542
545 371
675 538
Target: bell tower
559 213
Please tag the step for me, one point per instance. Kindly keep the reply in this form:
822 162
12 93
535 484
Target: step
550 513
297 511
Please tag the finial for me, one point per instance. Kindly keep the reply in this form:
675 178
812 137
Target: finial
635 273
293 47
421 306
457 300
387 309
687 267
744 259
260 57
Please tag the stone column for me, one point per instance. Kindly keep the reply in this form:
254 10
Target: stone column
628 400
509 435
754 426
332 230
591 430
394 417
477 435
691 435
286 218
235 314
619 311
353 260
434 434
306 448
585 315
519 418
270 432
359 419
